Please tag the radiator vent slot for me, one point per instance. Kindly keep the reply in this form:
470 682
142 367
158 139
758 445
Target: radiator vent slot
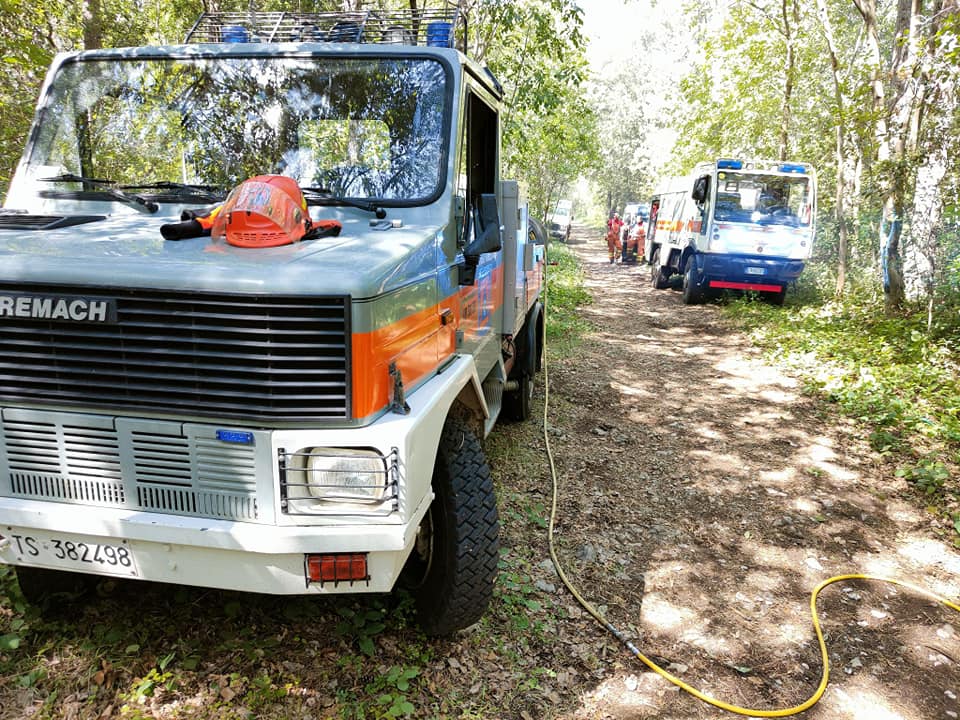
67 489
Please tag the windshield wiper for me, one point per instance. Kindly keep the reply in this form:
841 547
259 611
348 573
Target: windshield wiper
134 201
209 193
323 196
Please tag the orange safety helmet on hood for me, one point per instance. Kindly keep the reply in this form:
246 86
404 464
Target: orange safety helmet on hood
264 211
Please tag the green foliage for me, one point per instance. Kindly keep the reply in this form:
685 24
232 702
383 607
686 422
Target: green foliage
929 475
536 49
565 293
362 625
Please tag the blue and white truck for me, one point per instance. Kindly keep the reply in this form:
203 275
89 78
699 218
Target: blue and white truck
733 225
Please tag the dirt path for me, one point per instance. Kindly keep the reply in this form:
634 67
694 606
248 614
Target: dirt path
702 499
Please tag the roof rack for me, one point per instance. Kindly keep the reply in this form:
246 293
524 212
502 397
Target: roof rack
445 27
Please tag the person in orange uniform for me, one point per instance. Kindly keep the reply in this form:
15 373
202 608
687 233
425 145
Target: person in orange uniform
636 240
613 237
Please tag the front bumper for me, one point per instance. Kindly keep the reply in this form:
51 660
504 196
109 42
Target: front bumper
748 272
197 551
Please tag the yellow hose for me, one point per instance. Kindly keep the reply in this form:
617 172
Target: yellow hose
824 679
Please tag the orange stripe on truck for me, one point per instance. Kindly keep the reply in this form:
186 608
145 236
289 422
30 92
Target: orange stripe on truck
416 343
419 342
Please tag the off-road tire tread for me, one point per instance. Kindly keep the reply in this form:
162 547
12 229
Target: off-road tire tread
465 593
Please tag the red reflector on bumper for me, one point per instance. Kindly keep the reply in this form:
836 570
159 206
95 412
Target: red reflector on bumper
337 567
759 287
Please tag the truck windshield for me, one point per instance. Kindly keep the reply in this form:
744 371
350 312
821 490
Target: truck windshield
359 127
764 199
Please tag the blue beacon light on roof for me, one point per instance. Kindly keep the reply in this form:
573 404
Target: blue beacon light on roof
728 164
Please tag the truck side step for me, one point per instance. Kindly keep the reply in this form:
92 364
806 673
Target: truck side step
493 394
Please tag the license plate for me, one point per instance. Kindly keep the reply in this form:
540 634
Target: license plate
756 270
68 552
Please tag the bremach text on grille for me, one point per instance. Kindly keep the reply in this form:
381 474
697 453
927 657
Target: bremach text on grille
57 307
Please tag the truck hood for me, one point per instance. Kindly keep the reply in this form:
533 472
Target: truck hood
128 251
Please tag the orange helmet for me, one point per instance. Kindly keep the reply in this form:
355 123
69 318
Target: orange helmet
264 211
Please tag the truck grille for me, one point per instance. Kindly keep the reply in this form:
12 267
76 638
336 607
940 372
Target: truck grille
137 464
203 355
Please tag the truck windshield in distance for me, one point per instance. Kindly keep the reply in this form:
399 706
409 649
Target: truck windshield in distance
359 127
763 199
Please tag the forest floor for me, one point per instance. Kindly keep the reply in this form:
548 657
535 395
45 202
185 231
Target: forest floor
702 496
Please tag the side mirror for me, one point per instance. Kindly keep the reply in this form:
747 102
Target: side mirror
701 188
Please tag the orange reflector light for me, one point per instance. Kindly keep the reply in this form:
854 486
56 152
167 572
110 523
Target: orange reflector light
337 567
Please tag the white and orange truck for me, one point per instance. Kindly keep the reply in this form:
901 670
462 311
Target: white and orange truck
733 224
299 418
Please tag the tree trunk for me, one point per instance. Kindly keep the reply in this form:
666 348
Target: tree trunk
790 13
896 132
839 213
940 105
901 141
92 24
868 11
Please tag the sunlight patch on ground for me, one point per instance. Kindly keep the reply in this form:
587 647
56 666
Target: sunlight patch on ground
859 703
713 644
902 513
837 472
709 434
822 455
697 350
630 390
926 552
749 375
661 614
806 505
761 419
821 450
707 460
630 696
879 565
778 477
778 397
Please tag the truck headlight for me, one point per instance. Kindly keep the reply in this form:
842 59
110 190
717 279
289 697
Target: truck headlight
321 478
334 474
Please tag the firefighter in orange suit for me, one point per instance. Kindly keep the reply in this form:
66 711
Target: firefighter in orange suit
613 237
636 241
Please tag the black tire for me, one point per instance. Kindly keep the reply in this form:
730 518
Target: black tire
692 289
518 403
776 298
453 566
45 588
658 278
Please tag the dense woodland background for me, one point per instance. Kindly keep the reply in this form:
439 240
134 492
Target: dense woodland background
865 90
